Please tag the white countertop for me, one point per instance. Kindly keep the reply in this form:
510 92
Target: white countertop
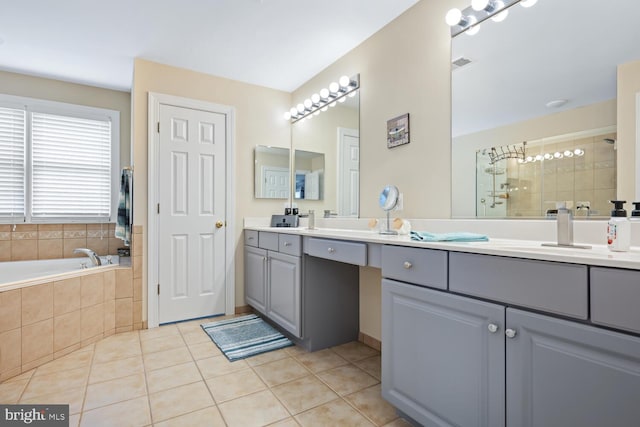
598 255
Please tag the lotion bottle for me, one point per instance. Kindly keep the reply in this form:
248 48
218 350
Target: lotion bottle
618 228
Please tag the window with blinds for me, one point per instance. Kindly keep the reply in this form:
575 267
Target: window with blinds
71 160
57 162
12 163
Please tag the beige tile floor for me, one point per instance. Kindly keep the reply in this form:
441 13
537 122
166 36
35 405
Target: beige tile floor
175 376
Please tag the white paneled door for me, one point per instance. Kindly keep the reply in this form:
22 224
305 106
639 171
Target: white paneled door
348 171
191 220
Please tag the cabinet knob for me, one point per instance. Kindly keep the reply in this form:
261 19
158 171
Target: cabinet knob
493 328
407 265
331 250
510 333
287 243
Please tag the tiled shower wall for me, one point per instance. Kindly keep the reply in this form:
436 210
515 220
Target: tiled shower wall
43 322
49 241
535 187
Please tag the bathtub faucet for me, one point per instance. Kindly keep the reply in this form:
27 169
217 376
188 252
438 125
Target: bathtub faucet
95 260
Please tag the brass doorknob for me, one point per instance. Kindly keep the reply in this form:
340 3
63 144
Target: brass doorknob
219 224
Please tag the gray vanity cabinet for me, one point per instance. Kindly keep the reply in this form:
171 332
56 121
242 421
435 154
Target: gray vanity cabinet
443 356
273 278
284 291
562 373
255 278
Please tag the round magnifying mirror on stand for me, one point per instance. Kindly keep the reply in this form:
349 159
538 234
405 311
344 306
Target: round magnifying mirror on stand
388 201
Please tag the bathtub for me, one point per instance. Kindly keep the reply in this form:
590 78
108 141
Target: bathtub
18 274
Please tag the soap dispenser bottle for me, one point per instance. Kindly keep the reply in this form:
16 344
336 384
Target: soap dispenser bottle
635 213
619 228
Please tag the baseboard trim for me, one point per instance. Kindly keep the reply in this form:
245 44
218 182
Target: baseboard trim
370 341
242 309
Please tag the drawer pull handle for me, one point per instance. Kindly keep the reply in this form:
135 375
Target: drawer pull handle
331 250
407 265
493 328
251 238
510 333
287 243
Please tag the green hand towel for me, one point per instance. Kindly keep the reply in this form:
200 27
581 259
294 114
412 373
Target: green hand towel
423 236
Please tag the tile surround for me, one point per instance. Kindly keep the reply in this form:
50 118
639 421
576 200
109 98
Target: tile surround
48 321
49 241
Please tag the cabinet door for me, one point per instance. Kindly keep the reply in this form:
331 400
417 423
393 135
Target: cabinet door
441 364
562 373
255 278
284 291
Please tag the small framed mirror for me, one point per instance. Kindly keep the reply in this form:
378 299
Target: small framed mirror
271 172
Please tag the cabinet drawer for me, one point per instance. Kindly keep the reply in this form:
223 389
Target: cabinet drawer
549 286
615 295
289 244
426 267
251 238
267 240
337 250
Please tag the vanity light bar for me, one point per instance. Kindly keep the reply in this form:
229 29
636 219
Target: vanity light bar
324 99
469 19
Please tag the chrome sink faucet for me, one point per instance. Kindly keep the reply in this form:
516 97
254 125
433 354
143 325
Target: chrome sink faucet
95 259
565 226
564 223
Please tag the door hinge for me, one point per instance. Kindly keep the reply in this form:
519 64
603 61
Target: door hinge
158 208
158 288
158 127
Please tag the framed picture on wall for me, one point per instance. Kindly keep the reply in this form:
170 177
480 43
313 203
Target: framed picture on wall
398 131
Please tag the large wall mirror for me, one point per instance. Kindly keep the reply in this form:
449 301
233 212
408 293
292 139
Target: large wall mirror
272 176
545 76
326 160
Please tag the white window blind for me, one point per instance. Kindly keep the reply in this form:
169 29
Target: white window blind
12 163
71 160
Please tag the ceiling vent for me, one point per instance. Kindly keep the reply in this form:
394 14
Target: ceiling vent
460 62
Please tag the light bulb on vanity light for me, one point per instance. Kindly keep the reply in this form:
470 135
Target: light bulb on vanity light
500 16
474 28
528 3
307 103
344 81
486 5
352 93
454 17
293 111
334 87
287 115
300 108
341 100
315 98
324 93
568 153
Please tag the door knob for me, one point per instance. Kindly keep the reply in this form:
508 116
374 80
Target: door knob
219 224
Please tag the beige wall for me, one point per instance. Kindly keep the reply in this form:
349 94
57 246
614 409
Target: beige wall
59 91
258 121
628 87
404 68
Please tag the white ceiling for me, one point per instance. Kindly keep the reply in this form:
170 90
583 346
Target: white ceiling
274 43
565 49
